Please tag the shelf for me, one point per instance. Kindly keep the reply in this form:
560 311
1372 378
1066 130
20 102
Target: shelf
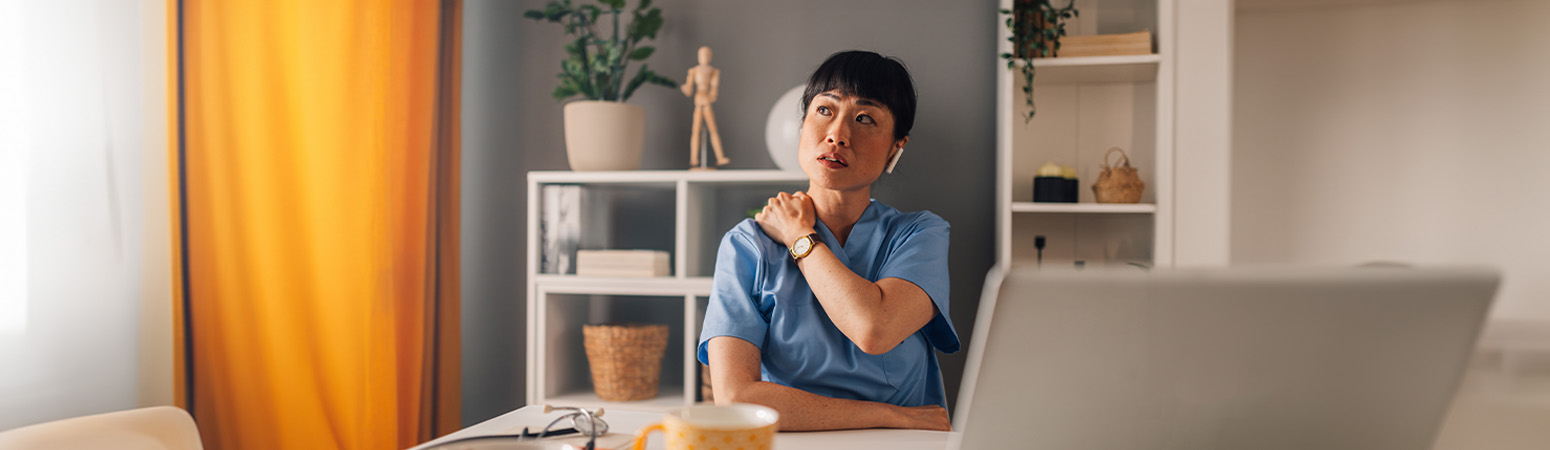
667 399
1095 69
1305 5
660 286
1084 208
667 176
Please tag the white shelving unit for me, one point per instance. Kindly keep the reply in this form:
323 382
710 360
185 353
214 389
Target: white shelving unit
1085 106
557 371
1097 69
1084 208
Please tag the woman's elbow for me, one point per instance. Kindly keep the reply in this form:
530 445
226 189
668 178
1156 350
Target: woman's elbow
729 394
875 342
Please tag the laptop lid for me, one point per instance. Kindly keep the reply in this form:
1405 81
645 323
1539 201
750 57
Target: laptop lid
1259 358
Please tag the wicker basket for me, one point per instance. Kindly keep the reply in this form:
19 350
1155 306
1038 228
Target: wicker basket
1118 183
626 359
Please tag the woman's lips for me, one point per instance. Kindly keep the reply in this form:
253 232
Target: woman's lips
832 161
831 164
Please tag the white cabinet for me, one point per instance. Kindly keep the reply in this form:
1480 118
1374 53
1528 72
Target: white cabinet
1085 106
682 212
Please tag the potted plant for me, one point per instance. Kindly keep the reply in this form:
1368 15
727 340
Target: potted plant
1037 26
601 131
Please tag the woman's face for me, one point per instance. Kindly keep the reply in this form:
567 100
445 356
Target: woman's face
846 141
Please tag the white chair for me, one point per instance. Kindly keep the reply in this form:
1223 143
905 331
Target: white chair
154 428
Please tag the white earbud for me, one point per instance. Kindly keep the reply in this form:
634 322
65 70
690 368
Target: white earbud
895 160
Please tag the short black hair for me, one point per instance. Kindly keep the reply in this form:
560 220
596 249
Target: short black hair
868 75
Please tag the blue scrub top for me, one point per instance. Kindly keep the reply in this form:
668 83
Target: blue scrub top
760 296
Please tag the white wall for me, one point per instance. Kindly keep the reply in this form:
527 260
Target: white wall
1202 140
82 108
1415 131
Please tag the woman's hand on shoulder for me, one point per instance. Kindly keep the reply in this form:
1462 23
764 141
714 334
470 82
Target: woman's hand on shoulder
787 216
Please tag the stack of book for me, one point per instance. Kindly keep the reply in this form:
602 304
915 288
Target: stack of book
1137 43
622 263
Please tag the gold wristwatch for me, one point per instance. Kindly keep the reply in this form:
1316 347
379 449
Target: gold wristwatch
804 245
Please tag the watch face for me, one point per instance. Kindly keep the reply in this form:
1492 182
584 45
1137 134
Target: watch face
803 245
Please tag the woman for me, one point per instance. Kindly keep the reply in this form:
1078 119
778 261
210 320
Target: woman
826 305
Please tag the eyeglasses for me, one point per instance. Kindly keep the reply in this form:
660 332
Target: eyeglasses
582 421
586 422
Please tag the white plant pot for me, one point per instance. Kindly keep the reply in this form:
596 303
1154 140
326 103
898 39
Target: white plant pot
604 135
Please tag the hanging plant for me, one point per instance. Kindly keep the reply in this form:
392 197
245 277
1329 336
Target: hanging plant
1037 26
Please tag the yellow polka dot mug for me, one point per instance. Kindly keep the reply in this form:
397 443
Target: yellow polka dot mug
711 427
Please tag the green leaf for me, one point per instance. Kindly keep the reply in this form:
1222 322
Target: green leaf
641 53
643 5
611 56
573 68
563 92
650 23
645 75
555 11
640 78
613 4
534 14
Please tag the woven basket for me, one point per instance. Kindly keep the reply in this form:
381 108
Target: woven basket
1118 183
626 359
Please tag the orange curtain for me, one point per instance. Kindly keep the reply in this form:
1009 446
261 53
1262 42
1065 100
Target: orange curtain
317 233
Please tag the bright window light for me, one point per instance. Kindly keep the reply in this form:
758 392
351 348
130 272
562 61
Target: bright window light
14 147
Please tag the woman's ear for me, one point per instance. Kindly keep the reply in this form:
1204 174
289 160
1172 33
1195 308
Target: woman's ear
893 160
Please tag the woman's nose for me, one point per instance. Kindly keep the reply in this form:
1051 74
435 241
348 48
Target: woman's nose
839 134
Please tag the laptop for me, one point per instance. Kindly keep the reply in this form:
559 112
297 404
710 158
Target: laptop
1257 358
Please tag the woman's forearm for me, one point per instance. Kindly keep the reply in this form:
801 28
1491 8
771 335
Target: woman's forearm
851 301
873 318
805 411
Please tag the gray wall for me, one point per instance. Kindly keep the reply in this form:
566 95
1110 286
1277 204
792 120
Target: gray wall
511 126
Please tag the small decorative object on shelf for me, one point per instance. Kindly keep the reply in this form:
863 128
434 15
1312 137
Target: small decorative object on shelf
622 263
1055 184
572 217
1137 43
1037 26
1118 183
626 359
602 132
783 128
703 83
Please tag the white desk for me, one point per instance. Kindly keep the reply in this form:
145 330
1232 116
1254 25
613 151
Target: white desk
624 424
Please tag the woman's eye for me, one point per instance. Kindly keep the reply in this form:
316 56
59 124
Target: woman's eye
823 110
866 119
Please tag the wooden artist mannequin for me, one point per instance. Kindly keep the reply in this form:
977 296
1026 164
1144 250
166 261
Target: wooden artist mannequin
702 82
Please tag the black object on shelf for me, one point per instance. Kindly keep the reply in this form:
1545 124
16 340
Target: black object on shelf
1054 190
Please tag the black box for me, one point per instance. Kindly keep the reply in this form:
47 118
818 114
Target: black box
1054 190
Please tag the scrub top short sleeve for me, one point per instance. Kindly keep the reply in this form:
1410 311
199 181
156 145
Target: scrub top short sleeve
735 309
